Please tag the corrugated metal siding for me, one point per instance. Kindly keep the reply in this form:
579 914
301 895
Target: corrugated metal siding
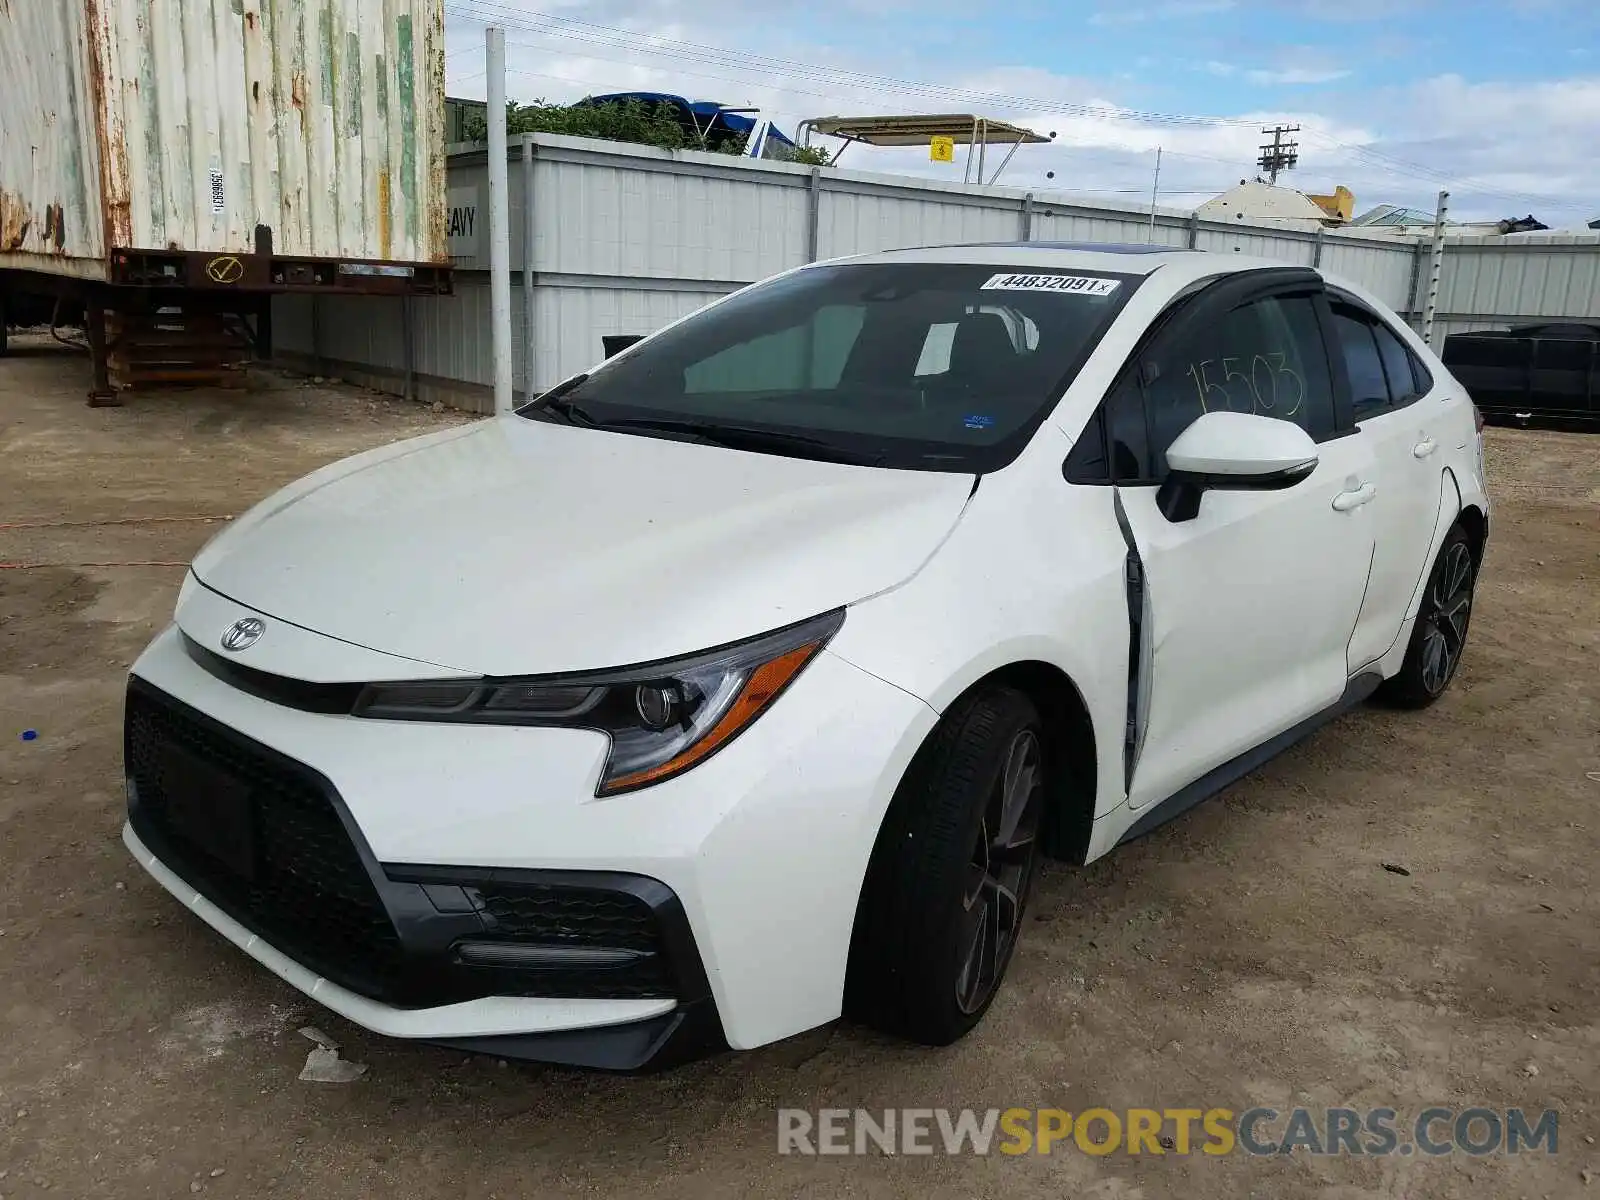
570 321
1383 269
1522 278
49 172
598 217
1086 225
858 221
630 238
321 119
1246 239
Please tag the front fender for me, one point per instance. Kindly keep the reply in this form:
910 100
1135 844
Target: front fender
1050 562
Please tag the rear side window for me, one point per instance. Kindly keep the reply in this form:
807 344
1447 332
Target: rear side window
1369 387
1396 366
1421 376
1384 373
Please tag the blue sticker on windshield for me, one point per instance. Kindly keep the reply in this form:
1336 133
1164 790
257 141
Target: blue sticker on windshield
978 421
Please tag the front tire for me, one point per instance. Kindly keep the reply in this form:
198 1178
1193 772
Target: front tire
945 893
1440 635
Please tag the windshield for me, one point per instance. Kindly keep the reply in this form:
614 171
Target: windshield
928 366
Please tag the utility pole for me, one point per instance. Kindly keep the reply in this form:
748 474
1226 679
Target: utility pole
499 221
1435 268
1279 155
1155 186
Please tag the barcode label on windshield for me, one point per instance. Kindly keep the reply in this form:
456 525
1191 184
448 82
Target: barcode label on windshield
1076 285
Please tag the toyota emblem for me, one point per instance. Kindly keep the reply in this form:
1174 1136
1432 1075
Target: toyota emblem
243 633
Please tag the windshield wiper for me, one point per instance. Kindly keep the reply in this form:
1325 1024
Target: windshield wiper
743 437
553 401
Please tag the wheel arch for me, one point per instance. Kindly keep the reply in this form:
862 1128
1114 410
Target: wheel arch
1070 758
1072 761
1476 522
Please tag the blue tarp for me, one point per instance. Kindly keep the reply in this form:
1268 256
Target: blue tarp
705 112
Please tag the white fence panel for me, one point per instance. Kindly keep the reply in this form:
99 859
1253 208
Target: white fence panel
1051 224
1384 269
635 219
1257 242
570 321
1515 278
863 220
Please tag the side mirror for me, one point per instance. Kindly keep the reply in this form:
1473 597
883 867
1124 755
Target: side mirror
1229 451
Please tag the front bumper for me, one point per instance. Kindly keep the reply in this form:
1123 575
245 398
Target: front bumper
592 969
749 865
616 1035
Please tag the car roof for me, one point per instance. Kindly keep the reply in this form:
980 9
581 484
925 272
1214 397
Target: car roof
1179 267
1109 257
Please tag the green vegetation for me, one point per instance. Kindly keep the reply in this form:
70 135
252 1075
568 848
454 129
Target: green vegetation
620 121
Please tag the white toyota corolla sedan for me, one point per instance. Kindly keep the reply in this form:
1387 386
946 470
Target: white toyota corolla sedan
741 682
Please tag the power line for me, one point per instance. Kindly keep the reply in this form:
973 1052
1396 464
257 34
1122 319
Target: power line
1377 158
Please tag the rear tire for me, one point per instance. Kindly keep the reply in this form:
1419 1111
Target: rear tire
1440 635
948 884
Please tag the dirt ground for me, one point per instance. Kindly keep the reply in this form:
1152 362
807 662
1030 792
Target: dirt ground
1255 951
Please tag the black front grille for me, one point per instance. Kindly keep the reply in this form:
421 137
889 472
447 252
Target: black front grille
579 917
305 889
571 915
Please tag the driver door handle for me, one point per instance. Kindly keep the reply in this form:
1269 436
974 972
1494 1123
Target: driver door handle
1345 501
1424 448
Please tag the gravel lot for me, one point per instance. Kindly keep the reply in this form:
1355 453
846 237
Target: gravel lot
1255 951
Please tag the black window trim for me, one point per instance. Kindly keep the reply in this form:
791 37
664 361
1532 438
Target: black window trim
1274 282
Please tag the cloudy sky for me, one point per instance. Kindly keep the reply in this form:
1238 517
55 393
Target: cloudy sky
1498 103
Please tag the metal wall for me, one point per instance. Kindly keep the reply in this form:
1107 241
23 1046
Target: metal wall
628 238
186 124
49 166
1522 278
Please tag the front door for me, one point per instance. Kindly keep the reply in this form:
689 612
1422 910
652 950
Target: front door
1249 606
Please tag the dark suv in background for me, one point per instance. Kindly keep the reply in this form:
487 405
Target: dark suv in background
1544 375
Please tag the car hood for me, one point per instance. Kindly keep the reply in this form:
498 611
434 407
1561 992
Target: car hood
516 546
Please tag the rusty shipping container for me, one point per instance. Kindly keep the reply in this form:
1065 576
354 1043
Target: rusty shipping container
307 128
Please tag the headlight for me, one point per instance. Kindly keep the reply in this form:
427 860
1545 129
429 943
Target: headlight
662 718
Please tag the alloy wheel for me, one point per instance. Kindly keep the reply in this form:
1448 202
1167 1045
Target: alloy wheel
1445 623
999 872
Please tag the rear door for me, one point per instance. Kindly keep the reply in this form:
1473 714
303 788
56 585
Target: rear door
1241 615
1405 419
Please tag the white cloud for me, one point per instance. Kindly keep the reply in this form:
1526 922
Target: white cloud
1295 75
1172 10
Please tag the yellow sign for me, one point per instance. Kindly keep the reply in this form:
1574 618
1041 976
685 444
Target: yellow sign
942 149
226 269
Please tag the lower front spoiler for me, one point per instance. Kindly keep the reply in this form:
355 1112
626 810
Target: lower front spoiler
632 1036
689 1032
